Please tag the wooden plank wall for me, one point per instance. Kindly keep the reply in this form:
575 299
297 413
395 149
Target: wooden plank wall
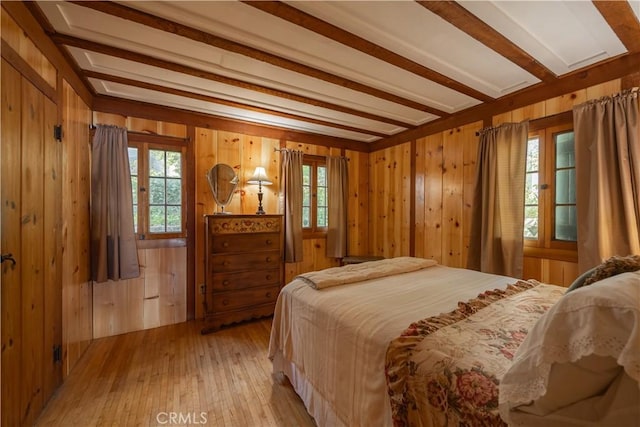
445 173
390 201
159 296
444 178
76 266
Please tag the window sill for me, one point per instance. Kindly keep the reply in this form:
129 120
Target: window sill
554 254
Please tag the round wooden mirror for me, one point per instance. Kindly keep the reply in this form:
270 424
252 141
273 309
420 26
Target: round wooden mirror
223 182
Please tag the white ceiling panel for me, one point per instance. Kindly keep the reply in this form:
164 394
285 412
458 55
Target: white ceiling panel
170 100
563 36
105 64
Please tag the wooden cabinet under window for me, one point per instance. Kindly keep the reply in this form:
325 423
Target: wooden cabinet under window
244 267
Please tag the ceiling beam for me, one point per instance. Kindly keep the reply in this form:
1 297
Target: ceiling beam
467 22
310 22
143 110
172 66
622 20
215 100
176 28
603 72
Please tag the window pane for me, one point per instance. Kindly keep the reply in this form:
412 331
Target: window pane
135 218
174 165
134 189
306 196
157 219
566 228
566 186
531 189
306 217
533 154
322 176
306 175
531 222
133 160
156 163
156 191
322 217
174 219
174 191
565 154
322 197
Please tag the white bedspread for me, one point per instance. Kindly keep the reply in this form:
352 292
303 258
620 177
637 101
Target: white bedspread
331 343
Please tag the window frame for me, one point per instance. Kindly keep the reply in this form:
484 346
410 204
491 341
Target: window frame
546 246
143 233
314 231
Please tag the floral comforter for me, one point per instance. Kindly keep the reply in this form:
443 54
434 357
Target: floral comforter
445 370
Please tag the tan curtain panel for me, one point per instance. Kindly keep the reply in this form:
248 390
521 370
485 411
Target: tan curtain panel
292 185
607 138
337 173
113 246
497 219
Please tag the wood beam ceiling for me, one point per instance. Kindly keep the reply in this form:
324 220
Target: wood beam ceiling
162 24
172 66
310 22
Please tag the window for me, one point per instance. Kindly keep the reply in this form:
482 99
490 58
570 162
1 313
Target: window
158 190
314 195
550 189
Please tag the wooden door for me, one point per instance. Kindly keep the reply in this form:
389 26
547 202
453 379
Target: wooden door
31 218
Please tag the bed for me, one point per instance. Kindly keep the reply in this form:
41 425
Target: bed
333 344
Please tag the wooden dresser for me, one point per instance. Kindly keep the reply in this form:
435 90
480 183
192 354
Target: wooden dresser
244 268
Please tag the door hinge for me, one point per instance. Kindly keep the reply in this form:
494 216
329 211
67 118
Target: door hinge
57 354
57 133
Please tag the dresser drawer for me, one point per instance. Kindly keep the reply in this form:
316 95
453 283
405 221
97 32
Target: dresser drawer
246 261
242 280
227 243
245 298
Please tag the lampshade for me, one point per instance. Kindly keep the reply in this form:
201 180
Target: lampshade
259 177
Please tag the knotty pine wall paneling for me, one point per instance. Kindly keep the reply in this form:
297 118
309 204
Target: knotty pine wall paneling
77 307
358 203
428 227
389 201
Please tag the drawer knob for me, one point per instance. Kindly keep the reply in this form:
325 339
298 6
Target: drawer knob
268 259
269 241
226 263
225 244
225 283
268 294
225 302
268 277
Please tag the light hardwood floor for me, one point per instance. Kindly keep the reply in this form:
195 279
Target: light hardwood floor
145 378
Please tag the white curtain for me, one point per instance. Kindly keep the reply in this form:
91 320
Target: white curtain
113 246
337 173
292 188
607 143
497 212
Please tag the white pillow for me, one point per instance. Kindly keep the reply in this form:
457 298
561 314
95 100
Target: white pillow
580 363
